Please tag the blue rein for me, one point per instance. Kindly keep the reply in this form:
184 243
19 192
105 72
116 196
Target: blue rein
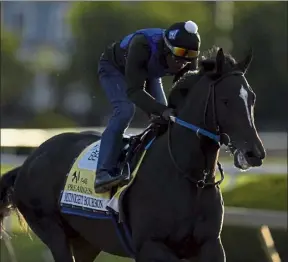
196 129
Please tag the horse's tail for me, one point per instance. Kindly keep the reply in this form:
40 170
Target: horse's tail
6 188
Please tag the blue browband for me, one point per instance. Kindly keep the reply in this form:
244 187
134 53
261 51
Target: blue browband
196 129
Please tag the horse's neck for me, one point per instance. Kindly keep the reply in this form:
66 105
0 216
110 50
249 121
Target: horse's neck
192 152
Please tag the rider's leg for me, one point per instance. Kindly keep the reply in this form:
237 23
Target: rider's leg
114 85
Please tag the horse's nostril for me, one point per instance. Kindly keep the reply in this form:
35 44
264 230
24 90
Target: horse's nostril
252 154
249 154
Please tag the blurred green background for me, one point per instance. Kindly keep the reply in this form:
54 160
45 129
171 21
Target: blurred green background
49 60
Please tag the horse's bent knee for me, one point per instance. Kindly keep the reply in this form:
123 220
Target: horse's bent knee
207 230
212 251
152 251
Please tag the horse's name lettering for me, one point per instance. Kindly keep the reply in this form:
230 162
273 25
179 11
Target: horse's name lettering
73 198
94 154
91 202
83 200
80 189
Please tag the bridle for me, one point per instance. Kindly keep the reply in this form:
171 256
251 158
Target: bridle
218 137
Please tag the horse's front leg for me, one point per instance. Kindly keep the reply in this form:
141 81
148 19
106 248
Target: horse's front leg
208 229
155 251
212 251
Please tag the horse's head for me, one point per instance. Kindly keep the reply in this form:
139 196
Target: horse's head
234 102
228 102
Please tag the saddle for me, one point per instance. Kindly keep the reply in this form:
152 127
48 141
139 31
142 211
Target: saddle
78 196
133 146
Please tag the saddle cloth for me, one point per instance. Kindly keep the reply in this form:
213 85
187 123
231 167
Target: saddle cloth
78 195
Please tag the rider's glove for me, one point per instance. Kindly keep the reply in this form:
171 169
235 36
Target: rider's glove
167 113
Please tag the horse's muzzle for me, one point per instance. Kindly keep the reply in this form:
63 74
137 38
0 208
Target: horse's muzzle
253 160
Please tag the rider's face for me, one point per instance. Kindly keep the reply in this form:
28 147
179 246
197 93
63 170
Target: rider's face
175 64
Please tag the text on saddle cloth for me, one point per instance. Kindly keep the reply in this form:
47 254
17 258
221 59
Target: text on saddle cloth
79 187
88 159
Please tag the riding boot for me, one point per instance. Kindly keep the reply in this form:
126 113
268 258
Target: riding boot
107 174
105 180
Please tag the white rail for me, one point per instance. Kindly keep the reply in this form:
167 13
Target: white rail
255 218
34 137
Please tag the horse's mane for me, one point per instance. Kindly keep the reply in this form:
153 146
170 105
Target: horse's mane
187 78
206 64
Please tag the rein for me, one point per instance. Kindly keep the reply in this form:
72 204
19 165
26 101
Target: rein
199 183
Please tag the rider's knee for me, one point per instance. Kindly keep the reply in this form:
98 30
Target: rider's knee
124 112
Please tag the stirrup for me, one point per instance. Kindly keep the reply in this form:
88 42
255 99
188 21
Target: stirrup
126 175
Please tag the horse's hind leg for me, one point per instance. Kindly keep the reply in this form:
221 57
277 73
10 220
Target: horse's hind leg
50 231
83 251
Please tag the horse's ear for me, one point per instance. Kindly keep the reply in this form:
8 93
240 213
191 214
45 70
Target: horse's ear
244 65
208 65
220 60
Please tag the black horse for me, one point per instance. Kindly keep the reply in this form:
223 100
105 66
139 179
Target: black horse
174 208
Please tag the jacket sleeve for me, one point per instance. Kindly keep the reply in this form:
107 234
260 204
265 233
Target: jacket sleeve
136 75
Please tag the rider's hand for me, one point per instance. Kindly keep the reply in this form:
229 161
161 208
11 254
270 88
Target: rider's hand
167 113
